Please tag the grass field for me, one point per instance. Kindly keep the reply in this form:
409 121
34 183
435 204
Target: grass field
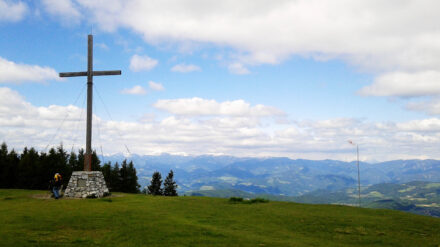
28 218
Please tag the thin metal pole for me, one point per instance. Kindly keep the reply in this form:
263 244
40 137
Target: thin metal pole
88 156
359 176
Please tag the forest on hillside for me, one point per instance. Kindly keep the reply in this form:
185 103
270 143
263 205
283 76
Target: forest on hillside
33 170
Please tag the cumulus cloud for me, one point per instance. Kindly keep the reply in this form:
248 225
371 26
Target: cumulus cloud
142 63
337 123
204 107
226 132
430 107
156 86
64 9
425 125
12 72
185 68
102 46
382 37
23 124
370 34
238 68
12 11
136 90
404 84
388 38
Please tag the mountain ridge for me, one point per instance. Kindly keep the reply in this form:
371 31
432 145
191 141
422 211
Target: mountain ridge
278 175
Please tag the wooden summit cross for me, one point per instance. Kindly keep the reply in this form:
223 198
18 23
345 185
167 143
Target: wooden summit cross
89 73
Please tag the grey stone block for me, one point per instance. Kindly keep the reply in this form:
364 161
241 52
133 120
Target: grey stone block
83 184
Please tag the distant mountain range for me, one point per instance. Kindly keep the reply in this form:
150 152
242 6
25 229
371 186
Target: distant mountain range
277 176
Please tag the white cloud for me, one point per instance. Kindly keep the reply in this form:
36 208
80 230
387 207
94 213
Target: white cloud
102 46
337 123
136 90
28 125
227 132
371 34
142 63
200 107
12 11
424 125
156 86
16 73
185 68
430 107
238 68
64 9
404 84
378 36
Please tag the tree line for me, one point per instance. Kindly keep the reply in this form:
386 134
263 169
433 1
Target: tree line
33 170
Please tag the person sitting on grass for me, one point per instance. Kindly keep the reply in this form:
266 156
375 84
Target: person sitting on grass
57 181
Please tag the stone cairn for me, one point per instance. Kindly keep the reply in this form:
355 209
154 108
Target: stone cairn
86 184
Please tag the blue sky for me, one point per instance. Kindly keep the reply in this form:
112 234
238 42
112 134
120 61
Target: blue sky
254 78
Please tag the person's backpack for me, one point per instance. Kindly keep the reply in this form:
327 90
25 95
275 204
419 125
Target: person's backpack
57 180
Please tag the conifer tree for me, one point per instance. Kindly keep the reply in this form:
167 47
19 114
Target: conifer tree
95 162
124 176
115 178
73 162
62 158
170 185
3 166
133 185
12 169
155 187
27 169
80 162
106 171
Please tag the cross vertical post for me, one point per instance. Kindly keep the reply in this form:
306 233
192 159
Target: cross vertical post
89 73
88 156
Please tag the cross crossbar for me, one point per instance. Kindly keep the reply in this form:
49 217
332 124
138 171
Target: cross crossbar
95 73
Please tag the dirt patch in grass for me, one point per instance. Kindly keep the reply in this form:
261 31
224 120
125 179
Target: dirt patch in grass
41 196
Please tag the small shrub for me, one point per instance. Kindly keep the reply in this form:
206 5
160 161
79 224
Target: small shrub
247 201
259 200
235 199
196 194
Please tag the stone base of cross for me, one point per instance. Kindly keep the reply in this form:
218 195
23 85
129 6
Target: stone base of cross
84 184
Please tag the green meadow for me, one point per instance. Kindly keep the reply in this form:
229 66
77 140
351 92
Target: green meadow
30 218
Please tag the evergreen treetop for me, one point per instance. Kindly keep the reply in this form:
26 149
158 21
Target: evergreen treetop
170 185
155 187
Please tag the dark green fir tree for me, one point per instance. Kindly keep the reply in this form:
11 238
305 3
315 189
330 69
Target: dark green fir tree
170 185
155 187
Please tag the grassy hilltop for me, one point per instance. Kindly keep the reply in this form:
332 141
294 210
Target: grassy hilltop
29 219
